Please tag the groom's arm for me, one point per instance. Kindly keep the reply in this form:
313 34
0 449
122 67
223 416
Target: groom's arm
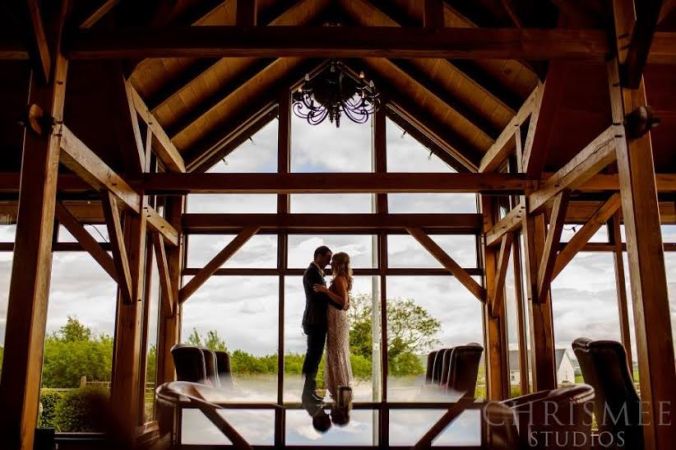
316 278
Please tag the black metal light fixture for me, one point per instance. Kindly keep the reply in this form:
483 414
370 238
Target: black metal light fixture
335 91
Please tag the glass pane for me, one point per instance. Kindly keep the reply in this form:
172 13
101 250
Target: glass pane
406 154
359 247
359 431
325 148
425 314
5 275
365 388
256 426
231 203
669 234
408 426
98 232
512 313
7 233
258 252
331 203
257 154
239 314
586 284
670 262
445 203
569 231
78 351
151 342
405 252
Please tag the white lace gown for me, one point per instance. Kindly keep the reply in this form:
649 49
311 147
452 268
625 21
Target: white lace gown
338 370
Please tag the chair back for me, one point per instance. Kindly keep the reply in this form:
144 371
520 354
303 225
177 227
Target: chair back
211 366
555 419
223 368
617 406
429 370
463 368
498 427
438 368
189 362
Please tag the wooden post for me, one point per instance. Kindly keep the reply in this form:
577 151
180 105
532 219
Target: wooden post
647 271
616 240
540 309
128 330
31 271
169 329
494 324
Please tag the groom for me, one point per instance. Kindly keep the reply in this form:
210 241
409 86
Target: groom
315 321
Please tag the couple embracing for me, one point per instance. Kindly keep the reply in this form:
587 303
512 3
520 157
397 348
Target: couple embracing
325 322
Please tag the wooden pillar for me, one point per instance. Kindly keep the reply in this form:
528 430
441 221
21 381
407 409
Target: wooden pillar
31 270
128 330
540 309
615 236
495 329
647 271
169 330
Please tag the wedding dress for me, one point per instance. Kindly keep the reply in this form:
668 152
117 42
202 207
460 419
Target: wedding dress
338 370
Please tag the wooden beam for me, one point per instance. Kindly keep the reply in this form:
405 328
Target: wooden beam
354 223
587 163
579 239
505 143
496 299
511 222
550 94
38 45
164 275
247 12
647 16
161 143
551 247
97 13
433 14
650 296
31 271
342 42
295 183
449 263
116 236
615 238
87 165
540 309
86 240
217 261
665 183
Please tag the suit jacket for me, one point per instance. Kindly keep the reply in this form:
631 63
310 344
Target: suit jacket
316 303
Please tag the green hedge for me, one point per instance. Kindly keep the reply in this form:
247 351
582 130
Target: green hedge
76 410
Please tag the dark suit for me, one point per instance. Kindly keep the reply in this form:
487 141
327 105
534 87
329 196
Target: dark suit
314 324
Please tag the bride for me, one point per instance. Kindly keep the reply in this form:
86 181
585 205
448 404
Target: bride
338 370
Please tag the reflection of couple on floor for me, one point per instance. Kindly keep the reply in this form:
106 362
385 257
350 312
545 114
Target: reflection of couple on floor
325 322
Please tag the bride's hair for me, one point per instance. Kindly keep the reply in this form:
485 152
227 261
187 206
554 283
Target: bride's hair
340 264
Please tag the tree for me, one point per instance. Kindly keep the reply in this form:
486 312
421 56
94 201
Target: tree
411 331
212 341
74 331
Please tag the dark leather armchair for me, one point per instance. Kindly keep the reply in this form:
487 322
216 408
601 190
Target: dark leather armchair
435 366
617 406
556 419
210 365
461 368
189 362
223 367
429 372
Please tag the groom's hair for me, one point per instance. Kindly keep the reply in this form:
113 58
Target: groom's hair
323 250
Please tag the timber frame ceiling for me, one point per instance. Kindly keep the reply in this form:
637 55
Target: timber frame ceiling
208 106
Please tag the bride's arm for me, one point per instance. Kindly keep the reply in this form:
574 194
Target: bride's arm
340 297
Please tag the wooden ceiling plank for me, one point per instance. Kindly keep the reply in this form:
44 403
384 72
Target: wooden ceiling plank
86 240
98 13
448 262
505 144
647 15
433 14
588 162
341 42
580 239
161 143
247 13
216 262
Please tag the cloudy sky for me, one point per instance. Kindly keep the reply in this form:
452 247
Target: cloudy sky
244 310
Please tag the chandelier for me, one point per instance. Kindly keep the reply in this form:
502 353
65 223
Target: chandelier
335 91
